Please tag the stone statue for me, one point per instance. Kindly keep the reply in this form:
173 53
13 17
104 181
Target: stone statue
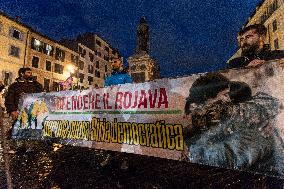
142 37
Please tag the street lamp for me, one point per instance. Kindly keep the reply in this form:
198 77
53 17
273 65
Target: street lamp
67 84
71 69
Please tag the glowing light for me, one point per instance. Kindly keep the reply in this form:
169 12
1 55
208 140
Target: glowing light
70 68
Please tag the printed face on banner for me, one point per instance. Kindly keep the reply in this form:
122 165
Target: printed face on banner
228 119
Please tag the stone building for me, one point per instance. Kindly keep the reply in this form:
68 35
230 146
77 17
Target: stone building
13 51
141 66
95 56
22 46
270 13
50 61
87 58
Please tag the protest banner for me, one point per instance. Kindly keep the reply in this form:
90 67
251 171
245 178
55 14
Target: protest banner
230 118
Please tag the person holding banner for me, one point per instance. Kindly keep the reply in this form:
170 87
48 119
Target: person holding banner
25 83
254 51
118 75
230 128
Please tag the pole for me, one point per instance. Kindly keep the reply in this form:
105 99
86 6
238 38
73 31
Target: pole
5 145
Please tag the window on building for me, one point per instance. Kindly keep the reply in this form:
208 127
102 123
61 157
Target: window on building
105 68
58 68
7 78
16 33
1 27
82 51
35 62
81 77
59 54
81 65
97 74
97 64
98 43
74 59
46 83
107 49
275 5
274 25
14 51
143 67
91 69
56 86
106 58
48 65
138 77
36 45
133 68
90 80
99 54
276 44
91 57
263 18
48 49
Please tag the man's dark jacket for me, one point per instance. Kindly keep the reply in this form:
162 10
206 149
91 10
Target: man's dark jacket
266 55
18 88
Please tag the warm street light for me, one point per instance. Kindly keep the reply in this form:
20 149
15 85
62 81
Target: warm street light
70 68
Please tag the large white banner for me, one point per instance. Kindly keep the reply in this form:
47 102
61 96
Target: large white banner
230 118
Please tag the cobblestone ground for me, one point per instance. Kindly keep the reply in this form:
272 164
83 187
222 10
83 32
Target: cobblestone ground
74 167
3 180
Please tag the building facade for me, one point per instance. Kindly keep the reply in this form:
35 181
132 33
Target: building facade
270 13
95 58
21 46
87 58
50 61
13 50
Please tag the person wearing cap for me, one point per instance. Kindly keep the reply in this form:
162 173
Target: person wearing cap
254 51
230 128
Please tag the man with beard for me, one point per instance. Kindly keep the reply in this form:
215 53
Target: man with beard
25 83
254 51
230 128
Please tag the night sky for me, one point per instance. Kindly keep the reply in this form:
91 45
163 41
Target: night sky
186 36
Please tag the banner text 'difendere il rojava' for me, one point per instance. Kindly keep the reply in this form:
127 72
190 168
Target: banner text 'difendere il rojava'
229 119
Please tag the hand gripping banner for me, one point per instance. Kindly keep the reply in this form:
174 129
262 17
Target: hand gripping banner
230 119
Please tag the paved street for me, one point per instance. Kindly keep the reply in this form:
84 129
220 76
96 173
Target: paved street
73 167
